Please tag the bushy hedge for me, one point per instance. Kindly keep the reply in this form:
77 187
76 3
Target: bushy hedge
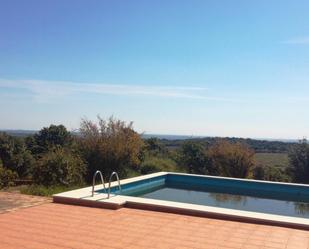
60 166
231 159
15 155
7 176
192 157
271 173
110 145
299 161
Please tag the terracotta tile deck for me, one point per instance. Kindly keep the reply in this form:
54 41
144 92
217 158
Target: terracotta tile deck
10 201
58 226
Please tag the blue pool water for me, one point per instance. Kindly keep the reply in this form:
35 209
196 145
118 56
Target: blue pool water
264 197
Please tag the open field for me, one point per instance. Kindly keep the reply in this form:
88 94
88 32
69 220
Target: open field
272 159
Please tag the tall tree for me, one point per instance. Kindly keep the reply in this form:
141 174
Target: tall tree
60 166
231 159
299 161
154 146
110 145
52 136
15 155
193 158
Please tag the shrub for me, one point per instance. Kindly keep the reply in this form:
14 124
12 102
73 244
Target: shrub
231 159
110 145
271 173
52 136
154 147
15 156
157 164
299 161
7 176
193 158
59 167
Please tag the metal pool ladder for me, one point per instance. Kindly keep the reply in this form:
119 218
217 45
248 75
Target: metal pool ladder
109 183
93 181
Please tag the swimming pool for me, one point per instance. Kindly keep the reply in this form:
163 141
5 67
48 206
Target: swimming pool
218 197
231 193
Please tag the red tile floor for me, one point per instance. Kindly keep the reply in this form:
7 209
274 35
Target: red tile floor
56 226
10 201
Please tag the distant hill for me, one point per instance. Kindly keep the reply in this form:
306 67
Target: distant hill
259 146
175 141
186 137
169 137
20 133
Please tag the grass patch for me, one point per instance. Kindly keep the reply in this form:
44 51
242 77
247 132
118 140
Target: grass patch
45 191
154 164
272 159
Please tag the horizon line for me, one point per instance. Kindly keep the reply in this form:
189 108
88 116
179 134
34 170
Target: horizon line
175 135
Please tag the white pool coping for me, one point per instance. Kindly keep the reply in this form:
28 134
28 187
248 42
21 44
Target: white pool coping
83 197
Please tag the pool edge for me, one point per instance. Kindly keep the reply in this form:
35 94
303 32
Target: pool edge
83 197
214 215
86 203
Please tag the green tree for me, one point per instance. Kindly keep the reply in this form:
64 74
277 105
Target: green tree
231 159
193 158
299 161
7 147
54 135
7 176
110 145
154 147
271 173
15 155
60 166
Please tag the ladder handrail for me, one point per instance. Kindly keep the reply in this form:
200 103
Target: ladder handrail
93 181
109 183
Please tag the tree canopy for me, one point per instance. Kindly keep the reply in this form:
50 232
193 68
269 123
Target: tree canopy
299 161
193 157
52 136
231 159
110 145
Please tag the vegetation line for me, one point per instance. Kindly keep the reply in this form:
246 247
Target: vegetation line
54 160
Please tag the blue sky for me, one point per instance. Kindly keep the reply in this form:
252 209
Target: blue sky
218 68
